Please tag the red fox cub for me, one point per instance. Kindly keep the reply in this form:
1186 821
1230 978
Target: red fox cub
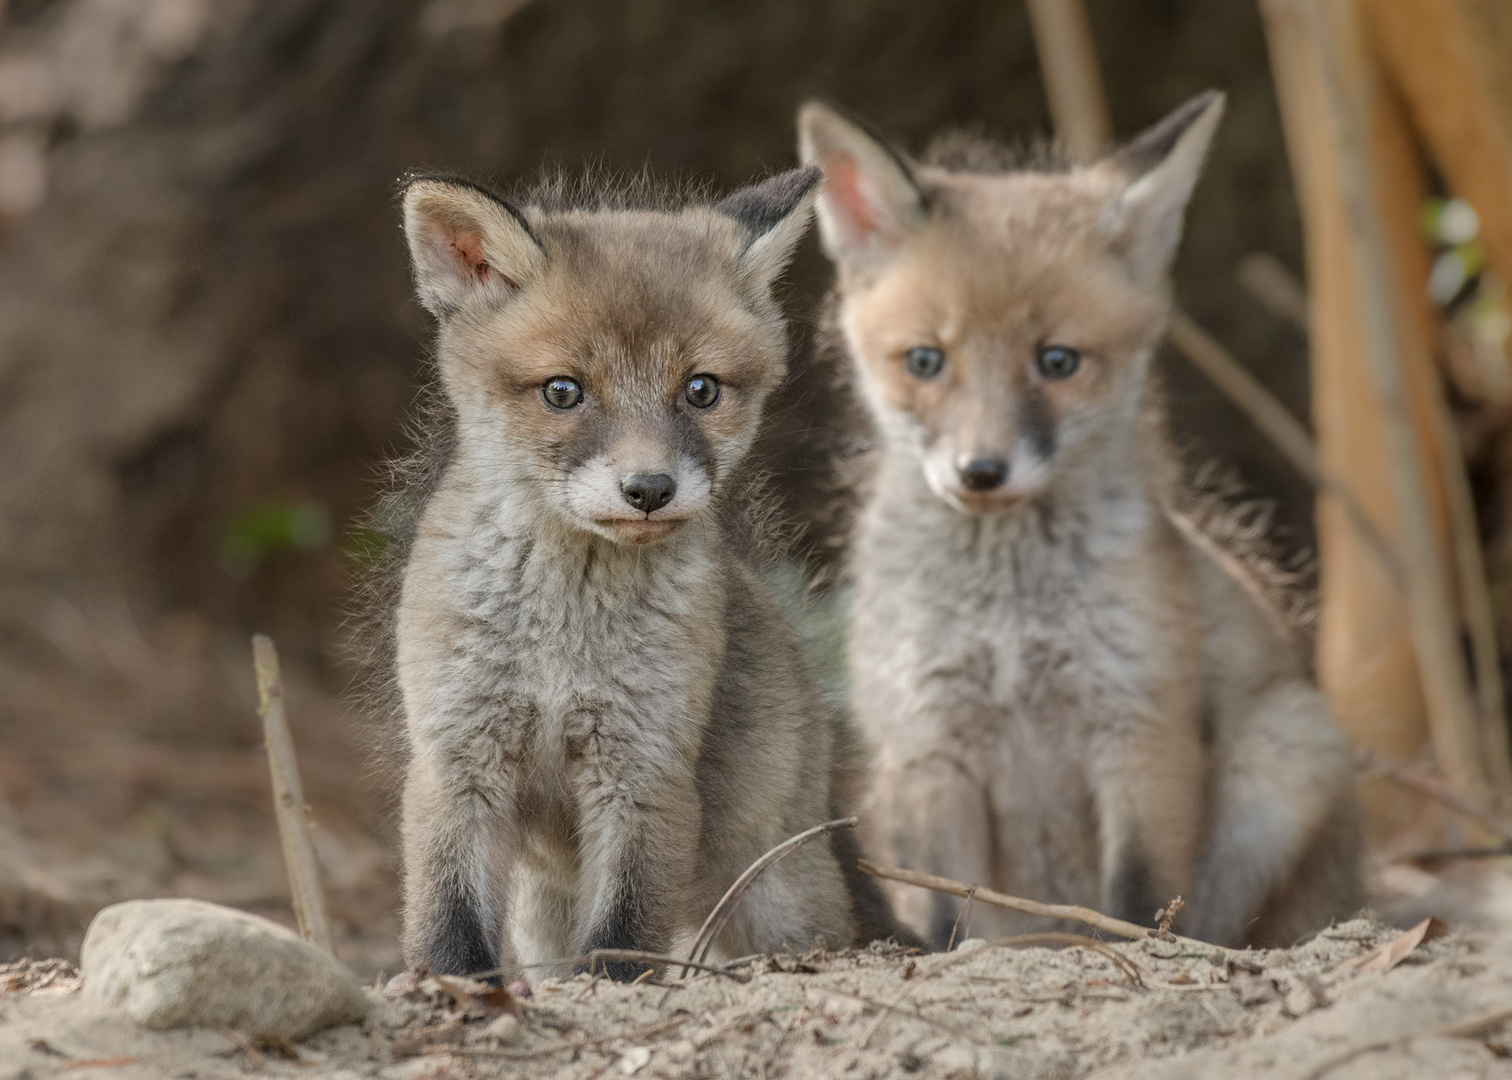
1073 700
608 718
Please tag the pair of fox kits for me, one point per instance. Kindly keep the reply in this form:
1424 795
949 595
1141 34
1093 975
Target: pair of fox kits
608 716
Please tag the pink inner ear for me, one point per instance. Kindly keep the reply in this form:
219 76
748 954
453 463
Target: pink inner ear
467 249
843 186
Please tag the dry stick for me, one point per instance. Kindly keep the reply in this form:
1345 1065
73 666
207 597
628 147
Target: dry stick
1269 281
1424 782
1068 62
726 906
288 801
1284 430
635 955
1459 1029
1453 719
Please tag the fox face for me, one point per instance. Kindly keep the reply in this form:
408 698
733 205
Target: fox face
1002 322
608 367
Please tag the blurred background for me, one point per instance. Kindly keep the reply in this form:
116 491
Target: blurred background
208 349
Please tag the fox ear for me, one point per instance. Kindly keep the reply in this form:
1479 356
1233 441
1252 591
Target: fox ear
1160 169
776 214
869 201
466 245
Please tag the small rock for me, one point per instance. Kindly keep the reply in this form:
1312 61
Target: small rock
187 963
503 1029
971 944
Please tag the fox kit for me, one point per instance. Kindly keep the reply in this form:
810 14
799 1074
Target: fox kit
608 719
1074 701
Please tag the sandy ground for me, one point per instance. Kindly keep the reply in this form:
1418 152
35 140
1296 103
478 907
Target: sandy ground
1146 1009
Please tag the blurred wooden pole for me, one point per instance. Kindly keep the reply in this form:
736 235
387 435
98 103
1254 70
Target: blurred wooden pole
1380 659
1073 81
289 807
1444 58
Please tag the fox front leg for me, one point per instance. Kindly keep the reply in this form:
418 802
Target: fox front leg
638 843
454 884
1148 794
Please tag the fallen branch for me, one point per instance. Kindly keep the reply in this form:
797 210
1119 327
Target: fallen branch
1095 919
1424 782
717 919
293 815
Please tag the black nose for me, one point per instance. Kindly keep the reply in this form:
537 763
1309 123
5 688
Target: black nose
649 491
984 474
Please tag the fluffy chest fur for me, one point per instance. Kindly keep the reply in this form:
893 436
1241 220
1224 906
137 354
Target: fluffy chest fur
516 648
1037 631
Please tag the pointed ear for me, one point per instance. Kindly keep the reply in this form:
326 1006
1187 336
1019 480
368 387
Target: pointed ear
775 214
466 245
1160 169
869 201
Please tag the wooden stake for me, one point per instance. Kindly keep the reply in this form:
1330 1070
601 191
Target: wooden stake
288 801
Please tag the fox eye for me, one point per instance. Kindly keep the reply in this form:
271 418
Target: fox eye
562 392
702 391
924 361
1057 361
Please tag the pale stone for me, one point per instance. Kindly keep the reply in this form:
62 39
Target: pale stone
187 963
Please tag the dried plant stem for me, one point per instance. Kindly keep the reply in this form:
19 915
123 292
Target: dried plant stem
1423 782
636 956
288 801
1453 713
1068 62
1284 430
1095 919
711 927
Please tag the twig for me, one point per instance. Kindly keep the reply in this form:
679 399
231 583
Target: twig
635 955
1452 714
964 913
1123 963
1269 281
293 815
717 919
1068 62
1095 919
1284 431
1423 782
1459 1029
1432 855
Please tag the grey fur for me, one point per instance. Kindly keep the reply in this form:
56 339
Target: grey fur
608 718
1079 694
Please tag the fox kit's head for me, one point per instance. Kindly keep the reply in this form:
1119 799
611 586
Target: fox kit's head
1002 321
607 366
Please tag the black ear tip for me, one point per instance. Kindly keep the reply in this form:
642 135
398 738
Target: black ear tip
763 205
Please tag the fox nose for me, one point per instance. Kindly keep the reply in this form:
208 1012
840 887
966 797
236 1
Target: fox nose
648 492
984 474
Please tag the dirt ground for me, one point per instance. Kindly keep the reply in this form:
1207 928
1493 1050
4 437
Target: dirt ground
1146 1009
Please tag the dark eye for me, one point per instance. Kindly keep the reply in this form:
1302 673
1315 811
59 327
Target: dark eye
924 361
562 392
702 391
1057 361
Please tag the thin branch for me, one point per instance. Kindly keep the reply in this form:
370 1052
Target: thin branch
1095 919
635 955
293 815
1268 280
1424 782
1284 431
717 919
